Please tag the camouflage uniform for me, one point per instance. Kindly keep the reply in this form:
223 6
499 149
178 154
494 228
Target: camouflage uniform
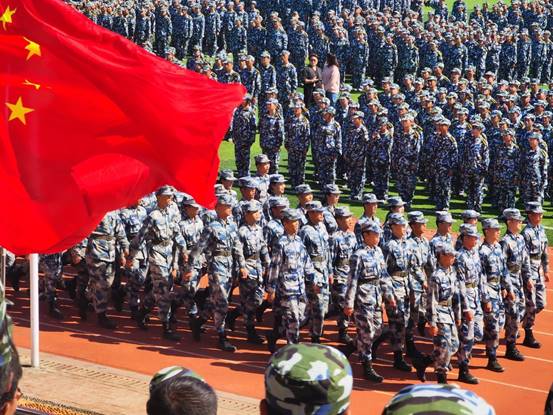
298 132
355 146
518 265
291 268
271 138
316 241
243 129
100 258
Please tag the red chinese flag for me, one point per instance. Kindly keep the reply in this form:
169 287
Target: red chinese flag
90 122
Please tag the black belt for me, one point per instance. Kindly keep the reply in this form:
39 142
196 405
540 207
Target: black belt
401 274
318 258
493 281
254 257
374 281
103 237
470 285
221 252
535 256
342 262
445 303
165 242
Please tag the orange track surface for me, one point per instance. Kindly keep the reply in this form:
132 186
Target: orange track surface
522 387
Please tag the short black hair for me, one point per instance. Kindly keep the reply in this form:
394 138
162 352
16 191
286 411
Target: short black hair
182 395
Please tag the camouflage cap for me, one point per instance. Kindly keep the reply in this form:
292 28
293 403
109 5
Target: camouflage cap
308 379
370 198
444 216
190 201
445 249
443 399
416 217
225 199
470 214
291 214
314 206
275 201
395 201
533 207
277 178
396 219
265 54
467 229
303 189
490 224
165 191
512 214
252 206
342 212
220 189
248 181
370 226
170 372
332 189
261 159
226 175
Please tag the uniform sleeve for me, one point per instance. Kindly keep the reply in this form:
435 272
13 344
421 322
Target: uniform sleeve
194 258
461 268
432 301
238 251
354 271
141 236
526 267
120 235
274 268
545 253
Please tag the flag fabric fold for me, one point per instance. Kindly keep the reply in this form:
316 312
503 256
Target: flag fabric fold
90 122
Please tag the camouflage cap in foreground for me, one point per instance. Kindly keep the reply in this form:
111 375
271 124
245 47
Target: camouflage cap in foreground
308 379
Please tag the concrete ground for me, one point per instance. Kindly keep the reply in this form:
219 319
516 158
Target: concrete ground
103 389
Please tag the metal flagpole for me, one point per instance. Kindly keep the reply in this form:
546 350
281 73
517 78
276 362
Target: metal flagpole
33 268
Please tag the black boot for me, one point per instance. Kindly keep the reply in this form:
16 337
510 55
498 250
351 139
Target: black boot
442 377
261 310
421 363
230 319
271 342
377 343
253 337
466 376
513 353
370 374
225 345
117 297
344 337
411 349
53 310
400 363
134 312
494 365
529 340
70 286
196 327
173 315
169 333
348 349
105 322
315 339
141 318
83 307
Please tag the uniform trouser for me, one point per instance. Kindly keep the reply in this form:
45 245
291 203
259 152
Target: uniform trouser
406 183
531 190
218 302
292 309
358 75
194 41
83 290
474 185
251 297
506 72
469 333
522 70
380 178
296 166
135 280
181 46
506 196
327 170
443 191
161 46
338 293
318 307
398 318
162 293
535 297
242 157
417 312
185 296
101 277
514 311
368 324
273 153
493 323
356 177
445 344
536 68
52 278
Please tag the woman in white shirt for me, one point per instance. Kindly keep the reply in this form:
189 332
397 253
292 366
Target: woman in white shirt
331 78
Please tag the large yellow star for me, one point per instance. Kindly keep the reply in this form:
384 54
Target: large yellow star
33 48
7 16
18 111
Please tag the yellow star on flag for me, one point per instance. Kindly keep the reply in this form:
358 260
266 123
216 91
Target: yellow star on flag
7 16
33 48
18 111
